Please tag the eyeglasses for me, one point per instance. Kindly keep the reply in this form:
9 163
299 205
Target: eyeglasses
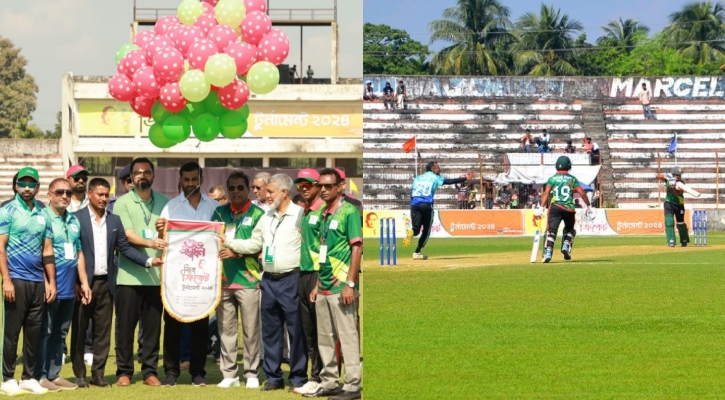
305 185
257 187
31 185
146 174
232 188
61 192
80 177
327 186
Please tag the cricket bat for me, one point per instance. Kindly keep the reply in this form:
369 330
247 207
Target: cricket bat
687 189
537 239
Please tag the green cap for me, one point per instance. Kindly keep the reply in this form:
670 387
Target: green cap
29 171
563 163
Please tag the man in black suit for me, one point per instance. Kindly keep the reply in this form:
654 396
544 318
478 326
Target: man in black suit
101 233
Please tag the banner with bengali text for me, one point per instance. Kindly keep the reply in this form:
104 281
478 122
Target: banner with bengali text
192 272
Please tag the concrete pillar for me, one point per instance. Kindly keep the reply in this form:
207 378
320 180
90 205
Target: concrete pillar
202 162
335 71
329 162
265 162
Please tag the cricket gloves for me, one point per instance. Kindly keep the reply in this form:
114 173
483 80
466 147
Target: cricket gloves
538 211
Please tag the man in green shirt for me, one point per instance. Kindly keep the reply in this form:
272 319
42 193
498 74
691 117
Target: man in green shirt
674 207
340 236
139 289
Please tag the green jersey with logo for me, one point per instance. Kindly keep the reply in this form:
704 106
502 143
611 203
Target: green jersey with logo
562 190
240 273
674 195
310 247
338 230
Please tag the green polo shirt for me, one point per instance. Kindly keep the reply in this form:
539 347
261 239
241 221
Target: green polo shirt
310 246
339 230
139 216
240 273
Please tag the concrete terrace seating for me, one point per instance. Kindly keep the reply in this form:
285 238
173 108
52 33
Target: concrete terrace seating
49 168
453 132
636 145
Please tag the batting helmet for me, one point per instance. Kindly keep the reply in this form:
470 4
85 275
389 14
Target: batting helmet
676 171
563 163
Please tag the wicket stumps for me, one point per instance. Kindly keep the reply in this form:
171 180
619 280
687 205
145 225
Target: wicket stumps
386 225
699 226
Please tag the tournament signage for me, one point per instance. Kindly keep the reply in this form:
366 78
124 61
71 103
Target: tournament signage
192 272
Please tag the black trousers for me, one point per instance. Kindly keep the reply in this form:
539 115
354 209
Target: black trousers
422 216
556 216
132 301
172 345
25 313
100 311
308 281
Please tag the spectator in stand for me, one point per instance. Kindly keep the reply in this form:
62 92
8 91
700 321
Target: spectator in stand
369 92
388 98
310 74
593 150
569 147
462 195
526 141
595 199
401 95
543 141
472 197
645 96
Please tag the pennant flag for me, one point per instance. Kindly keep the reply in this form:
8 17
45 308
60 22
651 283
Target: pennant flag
409 145
353 187
673 144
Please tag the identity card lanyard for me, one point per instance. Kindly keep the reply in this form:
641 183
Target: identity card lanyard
67 246
269 250
325 229
147 233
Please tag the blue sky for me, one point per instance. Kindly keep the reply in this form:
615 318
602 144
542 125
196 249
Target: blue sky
413 16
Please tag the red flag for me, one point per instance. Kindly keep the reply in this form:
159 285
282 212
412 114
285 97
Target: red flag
409 145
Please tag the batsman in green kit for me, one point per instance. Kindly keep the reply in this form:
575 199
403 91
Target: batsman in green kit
674 207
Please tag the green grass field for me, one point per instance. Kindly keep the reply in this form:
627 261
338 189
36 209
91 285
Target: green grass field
627 317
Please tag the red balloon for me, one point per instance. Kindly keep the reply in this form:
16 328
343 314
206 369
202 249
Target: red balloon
199 53
211 2
169 64
206 22
255 25
274 47
222 36
121 88
234 95
214 88
145 82
256 5
185 36
154 45
164 23
171 97
142 105
131 62
143 37
244 55
208 8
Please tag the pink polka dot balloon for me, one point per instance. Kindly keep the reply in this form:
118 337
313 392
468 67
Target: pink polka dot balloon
169 64
256 5
208 8
143 37
166 22
244 55
211 2
145 82
121 88
185 37
171 97
274 47
222 36
142 105
254 26
154 45
234 95
131 62
174 31
205 23
199 53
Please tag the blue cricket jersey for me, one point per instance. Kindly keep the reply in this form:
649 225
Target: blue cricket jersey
424 188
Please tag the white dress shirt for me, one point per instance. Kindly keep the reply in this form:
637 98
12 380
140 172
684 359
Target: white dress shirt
100 234
280 233
263 206
180 208
73 206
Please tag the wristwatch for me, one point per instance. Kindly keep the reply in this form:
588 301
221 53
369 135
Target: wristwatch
351 284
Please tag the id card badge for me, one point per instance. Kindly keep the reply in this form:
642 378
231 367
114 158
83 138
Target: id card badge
269 254
247 221
68 251
230 231
313 220
323 254
148 234
333 224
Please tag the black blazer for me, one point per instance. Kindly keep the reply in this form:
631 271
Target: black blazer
116 238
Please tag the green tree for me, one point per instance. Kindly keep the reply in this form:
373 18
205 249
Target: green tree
17 91
57 129
388 50
652 58
624 34
479 32
546 43
697 32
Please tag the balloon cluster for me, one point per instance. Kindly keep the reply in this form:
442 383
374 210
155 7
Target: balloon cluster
195 71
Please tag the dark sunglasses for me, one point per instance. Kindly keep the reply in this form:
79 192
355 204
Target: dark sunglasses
31 185
61 192
80 177
305 185
327 186
232 188
257 187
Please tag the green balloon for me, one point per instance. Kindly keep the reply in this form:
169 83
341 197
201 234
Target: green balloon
193 110
125 49
220 70
193 85
177 128
245 111
189 11
159 113
233 125
206 127
213 106
230 12
263 77
157 138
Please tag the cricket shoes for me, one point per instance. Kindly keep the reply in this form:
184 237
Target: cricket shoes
566 251
408 236
684 243
671 243
547 254
419 256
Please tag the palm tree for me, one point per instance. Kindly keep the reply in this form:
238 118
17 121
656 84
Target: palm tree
479 30
697 31
546 43
623 34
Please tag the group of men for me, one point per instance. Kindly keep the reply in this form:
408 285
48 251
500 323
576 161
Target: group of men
284 267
